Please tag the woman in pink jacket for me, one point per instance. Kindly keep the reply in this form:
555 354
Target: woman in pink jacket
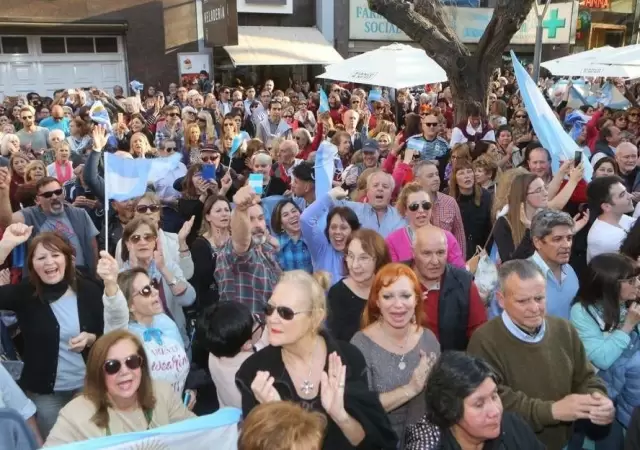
415 205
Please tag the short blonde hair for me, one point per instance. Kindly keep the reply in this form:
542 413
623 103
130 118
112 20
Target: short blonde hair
316 286
31 167
282 426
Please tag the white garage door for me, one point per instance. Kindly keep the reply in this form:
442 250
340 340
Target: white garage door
44 64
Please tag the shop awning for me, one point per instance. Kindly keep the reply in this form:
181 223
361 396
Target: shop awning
281 46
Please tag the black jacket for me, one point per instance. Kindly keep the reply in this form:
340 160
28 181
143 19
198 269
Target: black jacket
361 403
515 434
40 329
476 220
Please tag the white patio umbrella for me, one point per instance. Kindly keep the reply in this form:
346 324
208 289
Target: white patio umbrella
625 57
592 63
395 66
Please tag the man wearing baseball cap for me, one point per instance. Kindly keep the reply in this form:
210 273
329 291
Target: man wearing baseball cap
370 160
303 182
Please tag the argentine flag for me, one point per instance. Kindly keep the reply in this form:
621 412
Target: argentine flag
547 127
126 178
217 431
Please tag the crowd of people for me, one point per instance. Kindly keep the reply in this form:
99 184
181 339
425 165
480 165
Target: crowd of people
338 312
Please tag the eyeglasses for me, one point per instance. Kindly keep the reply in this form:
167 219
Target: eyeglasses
283 311
135 238
173 114
413 207
431 124
27 117
520 116
57 193
146 291
288 116
143 209
361 259
634 114
113 366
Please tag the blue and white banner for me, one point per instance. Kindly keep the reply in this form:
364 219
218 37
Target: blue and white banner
126 178
217 431
545 123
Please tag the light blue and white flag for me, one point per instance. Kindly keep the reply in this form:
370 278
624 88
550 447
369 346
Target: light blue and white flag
125 178
610 96
324 102
547 127
576 120
218 430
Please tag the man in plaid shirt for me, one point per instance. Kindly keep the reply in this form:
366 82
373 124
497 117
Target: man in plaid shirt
246 267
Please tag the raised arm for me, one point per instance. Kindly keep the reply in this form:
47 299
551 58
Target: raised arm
7 216
244 199
116 310
91 176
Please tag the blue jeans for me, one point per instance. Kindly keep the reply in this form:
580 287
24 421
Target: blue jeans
48 408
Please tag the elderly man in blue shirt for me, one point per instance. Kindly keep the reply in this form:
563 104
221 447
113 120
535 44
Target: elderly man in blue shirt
552 234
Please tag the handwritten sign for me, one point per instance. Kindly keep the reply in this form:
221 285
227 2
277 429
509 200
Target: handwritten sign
168 362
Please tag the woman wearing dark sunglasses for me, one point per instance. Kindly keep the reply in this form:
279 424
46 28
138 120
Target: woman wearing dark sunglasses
304 364
119 395
143 249
174 245
132 302
59 315
414 204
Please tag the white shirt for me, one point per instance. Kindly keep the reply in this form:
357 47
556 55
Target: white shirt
458 138
606 238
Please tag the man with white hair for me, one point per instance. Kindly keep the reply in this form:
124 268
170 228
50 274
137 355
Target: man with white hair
283 167
350 120
627 159
377 213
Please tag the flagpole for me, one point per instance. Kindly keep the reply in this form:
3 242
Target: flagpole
106 205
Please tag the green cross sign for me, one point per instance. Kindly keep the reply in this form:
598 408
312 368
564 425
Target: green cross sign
553 23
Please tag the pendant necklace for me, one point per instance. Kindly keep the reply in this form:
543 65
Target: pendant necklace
307 386
401 365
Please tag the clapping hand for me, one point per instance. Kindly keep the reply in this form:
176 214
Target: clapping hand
421 372
262 388
158 255
99 135
332 384
16 234
604 413
5 178
185 230
580 220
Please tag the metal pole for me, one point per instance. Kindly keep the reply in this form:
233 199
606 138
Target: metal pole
537 56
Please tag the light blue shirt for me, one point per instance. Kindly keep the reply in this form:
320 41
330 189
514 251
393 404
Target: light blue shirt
390 222
51 124
560 294
71 367
602 348
11 396
521 335
313 223
160 321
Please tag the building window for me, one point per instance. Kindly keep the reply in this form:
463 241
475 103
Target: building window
106 45
52 45
14 44
80 45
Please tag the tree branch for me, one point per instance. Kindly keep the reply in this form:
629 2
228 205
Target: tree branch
508 17
433 11
421 30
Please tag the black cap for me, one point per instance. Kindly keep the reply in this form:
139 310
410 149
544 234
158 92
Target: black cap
304 172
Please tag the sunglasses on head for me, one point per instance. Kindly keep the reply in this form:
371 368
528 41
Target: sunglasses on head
413 207
147 208
135 238
113 366
284 312
57 193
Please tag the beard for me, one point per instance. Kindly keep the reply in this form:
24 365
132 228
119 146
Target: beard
259 239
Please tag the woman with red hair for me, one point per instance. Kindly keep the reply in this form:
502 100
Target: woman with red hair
398 350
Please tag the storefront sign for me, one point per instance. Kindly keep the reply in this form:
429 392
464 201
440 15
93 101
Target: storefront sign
468 23
190 65
595 4
220 20
265 6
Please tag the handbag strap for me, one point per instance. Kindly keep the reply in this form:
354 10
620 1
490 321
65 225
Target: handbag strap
484 247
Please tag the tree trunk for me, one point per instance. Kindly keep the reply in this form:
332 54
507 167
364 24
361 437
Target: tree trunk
427 23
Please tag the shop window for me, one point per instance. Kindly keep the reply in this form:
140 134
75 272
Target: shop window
106 45
15 44
80 45
52 44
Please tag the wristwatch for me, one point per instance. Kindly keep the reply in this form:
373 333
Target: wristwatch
173 282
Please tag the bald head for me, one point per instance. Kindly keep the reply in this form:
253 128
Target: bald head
430 253
57 112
